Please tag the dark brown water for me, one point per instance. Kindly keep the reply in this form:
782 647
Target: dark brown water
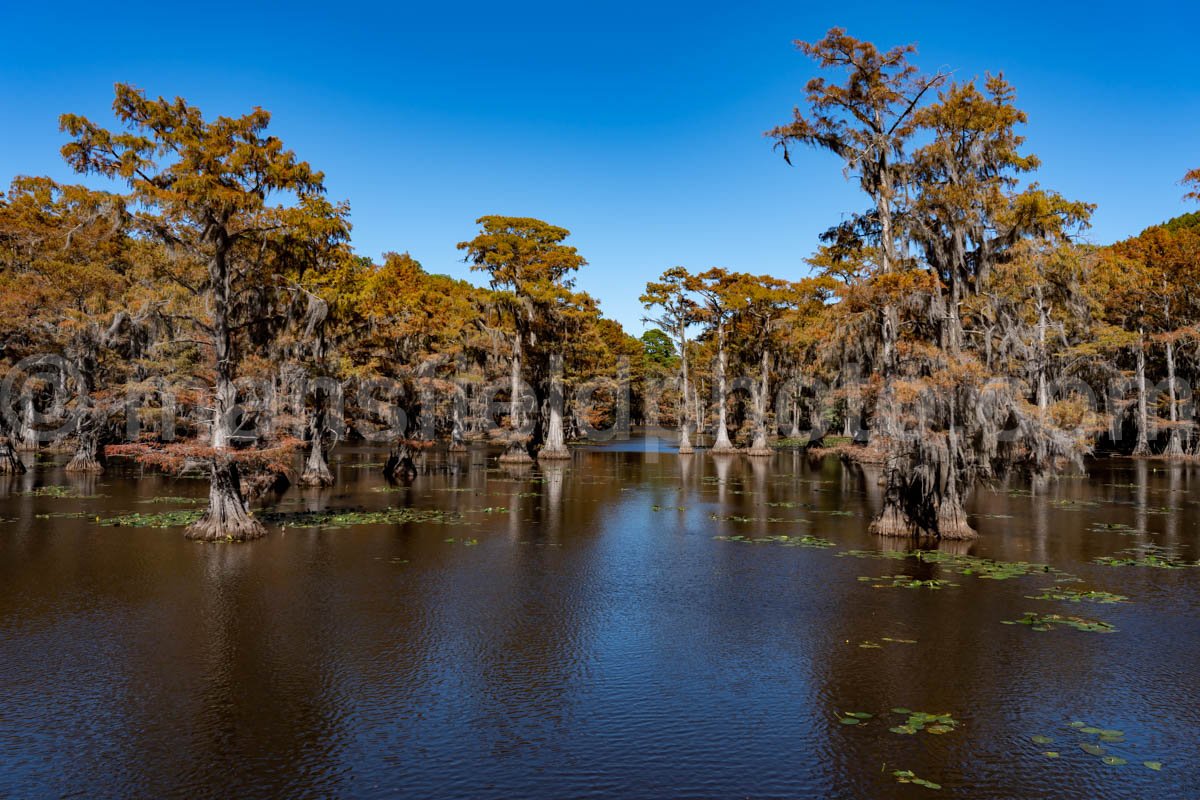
581 636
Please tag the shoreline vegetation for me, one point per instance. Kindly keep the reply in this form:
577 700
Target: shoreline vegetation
207 313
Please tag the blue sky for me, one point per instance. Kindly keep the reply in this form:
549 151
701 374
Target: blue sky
638 126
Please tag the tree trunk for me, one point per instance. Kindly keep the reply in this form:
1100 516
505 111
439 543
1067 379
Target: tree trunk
722 443
27 437
555 447
1174 443
316 468
1142 448
10 462
227 518
399 465
87 432
1043 391
457 402
685 439
759 446
517 453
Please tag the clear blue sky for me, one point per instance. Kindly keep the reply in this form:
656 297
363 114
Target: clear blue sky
638 126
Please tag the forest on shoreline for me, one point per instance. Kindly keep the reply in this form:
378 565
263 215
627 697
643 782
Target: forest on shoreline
209 309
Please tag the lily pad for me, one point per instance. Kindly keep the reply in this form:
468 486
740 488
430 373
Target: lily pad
167 519
1045 622
908 776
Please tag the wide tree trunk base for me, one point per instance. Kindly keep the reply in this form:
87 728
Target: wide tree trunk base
894 523
10 463
318 477
224 527
400 464
458 447
316 470
516 454
1174 447
686 449
952 523
85 464
760 451
226 519
554 454
721 448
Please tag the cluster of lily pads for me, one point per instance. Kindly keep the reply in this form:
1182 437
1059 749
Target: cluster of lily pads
908 776
872 645
915 722
1147 555
739 518
1046 622
918 721
168 500
62 492
1096 747
906 582
782 539
165 519
1077 596
344 519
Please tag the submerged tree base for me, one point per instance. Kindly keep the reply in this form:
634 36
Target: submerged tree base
316 470
554 454
319 478
951 524
10 463
760 452
84 464
516 454
227 518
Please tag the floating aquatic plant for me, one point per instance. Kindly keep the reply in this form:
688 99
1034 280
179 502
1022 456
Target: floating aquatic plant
782 539
917 721
343 519
739 518
1075 596
1045 622
906 582
173 501
166 519
872 645
1109 736
1146 555
59 492
908 776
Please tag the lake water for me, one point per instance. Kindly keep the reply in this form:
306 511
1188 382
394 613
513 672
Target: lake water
579 632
